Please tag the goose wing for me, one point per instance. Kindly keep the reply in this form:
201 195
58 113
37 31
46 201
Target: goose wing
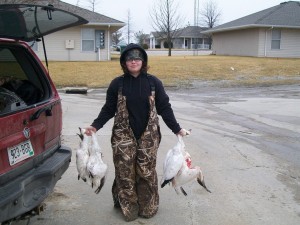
172 164
81 162
82 157
96 167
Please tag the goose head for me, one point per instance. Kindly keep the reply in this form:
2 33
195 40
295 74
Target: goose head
200 178
81 133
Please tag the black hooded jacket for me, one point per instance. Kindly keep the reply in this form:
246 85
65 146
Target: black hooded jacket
137 91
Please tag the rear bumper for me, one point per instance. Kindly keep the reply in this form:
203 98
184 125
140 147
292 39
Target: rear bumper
31 188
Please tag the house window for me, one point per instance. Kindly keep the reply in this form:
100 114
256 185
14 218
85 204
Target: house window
92 39
88 39
276 38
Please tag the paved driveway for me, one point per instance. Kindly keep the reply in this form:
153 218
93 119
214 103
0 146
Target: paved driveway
246 141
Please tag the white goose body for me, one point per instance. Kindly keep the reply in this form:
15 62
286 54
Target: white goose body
173 162
82 156
95 166
186 175
178 168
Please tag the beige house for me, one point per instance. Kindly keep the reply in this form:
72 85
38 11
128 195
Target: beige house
273 32
88 42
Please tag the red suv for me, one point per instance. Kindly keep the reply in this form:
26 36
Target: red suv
32 158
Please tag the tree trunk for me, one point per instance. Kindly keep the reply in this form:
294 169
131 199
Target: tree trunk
170 51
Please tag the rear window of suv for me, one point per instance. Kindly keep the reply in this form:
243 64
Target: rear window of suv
22 83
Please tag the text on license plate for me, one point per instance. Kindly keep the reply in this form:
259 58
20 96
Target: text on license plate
20 152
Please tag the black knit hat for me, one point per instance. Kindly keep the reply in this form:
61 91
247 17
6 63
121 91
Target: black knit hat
128 53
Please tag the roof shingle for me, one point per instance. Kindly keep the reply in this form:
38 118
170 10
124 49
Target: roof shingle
286 14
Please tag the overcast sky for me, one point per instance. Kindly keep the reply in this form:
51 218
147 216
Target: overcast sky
139 10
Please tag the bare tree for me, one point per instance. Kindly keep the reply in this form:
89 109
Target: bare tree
140 37
92 4
116 37
166 20
210 15
77 2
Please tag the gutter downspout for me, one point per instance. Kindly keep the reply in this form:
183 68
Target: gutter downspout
108 43
266 39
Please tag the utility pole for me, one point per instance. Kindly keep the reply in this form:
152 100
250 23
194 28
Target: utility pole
196 12
196 23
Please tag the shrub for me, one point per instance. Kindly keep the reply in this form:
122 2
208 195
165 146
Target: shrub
145 46
166 44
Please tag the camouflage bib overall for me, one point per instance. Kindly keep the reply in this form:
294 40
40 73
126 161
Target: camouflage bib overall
135 187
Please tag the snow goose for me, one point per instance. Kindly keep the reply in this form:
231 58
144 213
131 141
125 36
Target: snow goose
173 162
187 173
82 156
96 167
178 167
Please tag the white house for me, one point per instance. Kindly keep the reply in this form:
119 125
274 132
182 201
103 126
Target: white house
273 32
88 42
190 37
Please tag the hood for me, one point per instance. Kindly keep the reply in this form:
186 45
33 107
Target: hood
28 22
133 46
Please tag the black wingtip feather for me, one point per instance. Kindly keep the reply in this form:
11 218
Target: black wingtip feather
183 191
97 191
202 183
166 182
81 134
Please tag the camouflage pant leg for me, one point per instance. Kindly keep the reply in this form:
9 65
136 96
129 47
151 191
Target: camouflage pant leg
147 184
124 189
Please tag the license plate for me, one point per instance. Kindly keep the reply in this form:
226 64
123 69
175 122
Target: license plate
20 152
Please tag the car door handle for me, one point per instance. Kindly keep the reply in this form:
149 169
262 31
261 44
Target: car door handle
36 115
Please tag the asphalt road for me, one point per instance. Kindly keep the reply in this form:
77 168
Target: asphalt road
175 52
246 140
